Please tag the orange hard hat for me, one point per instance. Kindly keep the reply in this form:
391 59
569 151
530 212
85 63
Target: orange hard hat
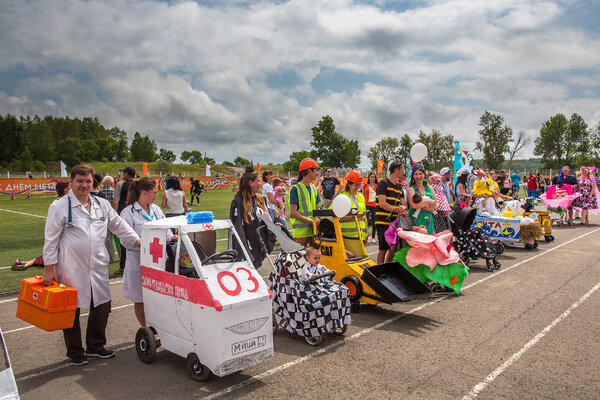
307 163
354 177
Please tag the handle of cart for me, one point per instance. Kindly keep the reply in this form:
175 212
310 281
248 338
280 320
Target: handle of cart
284 237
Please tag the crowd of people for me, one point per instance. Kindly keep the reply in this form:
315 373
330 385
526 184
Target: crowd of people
88 211
427 197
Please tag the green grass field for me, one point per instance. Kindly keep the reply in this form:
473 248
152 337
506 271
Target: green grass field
22 236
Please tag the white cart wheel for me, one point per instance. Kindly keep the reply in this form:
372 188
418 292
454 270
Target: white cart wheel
196 369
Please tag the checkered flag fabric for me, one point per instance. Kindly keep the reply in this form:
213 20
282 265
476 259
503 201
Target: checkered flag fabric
308 310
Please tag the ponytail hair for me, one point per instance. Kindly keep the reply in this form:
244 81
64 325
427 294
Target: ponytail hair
247 196
136 188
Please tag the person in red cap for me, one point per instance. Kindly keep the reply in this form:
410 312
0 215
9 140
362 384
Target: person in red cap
304 198
354 181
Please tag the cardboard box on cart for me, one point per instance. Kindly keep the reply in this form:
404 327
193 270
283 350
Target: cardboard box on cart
221 319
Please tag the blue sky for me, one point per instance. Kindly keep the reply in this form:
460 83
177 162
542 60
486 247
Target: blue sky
252 78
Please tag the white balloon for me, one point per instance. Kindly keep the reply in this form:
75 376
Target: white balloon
418 152
341 206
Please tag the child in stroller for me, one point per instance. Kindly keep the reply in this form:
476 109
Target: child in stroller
472 242
313 268
309 308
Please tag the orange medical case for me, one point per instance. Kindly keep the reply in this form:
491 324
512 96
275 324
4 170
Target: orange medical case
47 307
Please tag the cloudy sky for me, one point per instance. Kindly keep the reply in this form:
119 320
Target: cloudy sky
251 78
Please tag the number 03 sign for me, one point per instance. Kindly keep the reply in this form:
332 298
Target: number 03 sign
230 284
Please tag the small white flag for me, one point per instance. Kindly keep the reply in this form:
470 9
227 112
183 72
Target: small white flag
63 170
207 170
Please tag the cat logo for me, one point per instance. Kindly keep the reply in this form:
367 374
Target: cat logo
365 265
327 250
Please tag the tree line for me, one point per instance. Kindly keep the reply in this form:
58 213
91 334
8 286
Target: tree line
560 141
29 143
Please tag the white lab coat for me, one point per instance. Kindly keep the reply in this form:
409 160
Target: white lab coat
132 278
79 252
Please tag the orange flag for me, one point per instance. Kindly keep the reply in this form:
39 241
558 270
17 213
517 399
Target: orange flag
379 166
258 167
145 168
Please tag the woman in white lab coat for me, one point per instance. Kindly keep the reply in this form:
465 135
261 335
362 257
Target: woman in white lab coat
140 209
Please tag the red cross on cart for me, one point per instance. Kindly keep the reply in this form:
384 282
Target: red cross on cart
156 250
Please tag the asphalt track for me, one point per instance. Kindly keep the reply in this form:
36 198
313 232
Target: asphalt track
529 330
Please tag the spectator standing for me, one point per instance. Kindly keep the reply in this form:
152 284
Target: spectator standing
195 189
566 177
461 191
390 203
304 198
62 188
246 207
108 193
425 207
269 193
166 180
97 184
588 200
140 209
370 189
347 224
280 192
119 203
504 183
516 182
328 187
555 177
532 184
76 223
541 184
173 199
446 180
440 221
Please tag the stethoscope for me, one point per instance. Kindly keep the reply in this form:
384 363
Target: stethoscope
70 214
144 215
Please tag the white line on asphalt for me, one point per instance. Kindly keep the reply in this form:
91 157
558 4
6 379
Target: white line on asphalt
63 366
381 324
18 212
515 357
82 315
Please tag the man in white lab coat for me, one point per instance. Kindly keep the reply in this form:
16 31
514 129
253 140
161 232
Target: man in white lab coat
75 255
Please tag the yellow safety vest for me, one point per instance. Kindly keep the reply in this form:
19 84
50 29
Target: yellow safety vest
349 227
306 204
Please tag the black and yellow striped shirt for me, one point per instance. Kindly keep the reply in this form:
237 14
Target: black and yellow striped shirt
394 195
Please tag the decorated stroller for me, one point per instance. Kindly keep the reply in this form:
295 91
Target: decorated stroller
544 217
472 242
559 200
309 309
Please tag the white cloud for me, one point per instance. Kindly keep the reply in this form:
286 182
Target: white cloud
195 76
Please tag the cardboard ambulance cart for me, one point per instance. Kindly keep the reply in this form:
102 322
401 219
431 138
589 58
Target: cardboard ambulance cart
216 311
